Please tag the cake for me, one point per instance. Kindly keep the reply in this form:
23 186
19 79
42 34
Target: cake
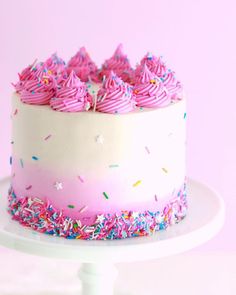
98 153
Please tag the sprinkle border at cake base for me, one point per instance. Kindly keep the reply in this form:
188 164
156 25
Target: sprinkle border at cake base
43 217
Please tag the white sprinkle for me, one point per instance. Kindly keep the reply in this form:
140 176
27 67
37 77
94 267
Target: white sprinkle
83 209
147 149
99 139
58 185
100 218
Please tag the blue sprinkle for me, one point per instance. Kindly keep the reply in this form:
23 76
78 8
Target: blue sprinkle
35 158
185 114
32 92
10 160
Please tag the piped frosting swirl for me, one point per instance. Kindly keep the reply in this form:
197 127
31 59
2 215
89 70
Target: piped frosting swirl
71 96
83 66
39 88
55 65
149 90
27 74
115 96
174 86
119 64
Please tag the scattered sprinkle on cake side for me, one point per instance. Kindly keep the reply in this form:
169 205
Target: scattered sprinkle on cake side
98 153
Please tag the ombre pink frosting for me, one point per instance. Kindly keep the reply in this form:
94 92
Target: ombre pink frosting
119 64
115 96
55 65
71 96
39 89
149 90
83 66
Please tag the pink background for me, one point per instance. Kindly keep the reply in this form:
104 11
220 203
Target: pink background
197 38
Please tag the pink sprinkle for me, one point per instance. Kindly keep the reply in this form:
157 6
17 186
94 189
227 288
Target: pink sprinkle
16 111
81 178
156 199
28 187
83 209
47 137
147 149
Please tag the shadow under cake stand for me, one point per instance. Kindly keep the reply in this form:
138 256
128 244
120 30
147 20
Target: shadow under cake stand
204 219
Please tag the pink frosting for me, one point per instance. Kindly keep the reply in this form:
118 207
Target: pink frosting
83 66
39 89
71 96
55 65
115 96
154 64
27 74
119 64
174 86
149 90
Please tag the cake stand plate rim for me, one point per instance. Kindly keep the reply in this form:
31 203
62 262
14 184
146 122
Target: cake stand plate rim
205 217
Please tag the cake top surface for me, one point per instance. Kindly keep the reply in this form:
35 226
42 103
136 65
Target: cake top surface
115 88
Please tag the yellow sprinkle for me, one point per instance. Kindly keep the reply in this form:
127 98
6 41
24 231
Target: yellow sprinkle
137 183
49 72
153 81
45 81
165 170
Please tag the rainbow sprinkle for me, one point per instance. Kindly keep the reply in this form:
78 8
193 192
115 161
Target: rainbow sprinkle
43 217
47 137
137 183
81 178
83 209
16 111
28 187
21 163
164 170
71 206
35 158
185 115
156 199
113 166
105 195
11 160
147 149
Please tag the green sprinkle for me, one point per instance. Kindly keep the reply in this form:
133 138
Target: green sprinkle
71 206
113 166
185 114
105 195
141 109
35 158
21 163
75 225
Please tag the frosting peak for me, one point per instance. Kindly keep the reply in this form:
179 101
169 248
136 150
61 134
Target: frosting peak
55 65
149 90
82 64
119 64
115 96
40 88
71 96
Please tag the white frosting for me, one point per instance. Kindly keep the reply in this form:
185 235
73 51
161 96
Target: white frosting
147 145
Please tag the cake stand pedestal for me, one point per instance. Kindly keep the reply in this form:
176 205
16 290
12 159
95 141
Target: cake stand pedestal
204 219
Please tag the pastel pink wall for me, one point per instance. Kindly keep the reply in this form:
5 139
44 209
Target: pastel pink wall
197 38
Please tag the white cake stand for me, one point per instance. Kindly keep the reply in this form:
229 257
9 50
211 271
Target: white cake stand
205 218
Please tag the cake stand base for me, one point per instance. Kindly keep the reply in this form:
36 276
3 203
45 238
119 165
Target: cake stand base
204 219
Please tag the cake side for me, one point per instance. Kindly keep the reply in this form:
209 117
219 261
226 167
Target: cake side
97 161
